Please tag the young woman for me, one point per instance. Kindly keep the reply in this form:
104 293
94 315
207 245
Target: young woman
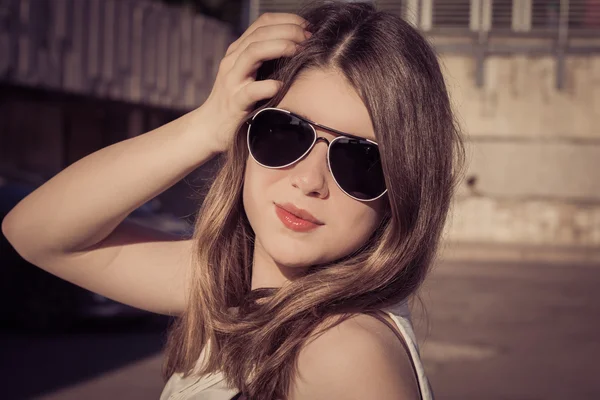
339 166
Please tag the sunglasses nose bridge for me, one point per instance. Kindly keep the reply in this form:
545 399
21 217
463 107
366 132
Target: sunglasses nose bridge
323 139
318 139
327 143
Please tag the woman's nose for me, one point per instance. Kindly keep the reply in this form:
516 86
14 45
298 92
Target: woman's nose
310 174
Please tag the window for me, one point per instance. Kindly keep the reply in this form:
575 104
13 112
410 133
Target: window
502 11
451 13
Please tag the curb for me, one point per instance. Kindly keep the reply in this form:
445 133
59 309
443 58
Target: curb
516 253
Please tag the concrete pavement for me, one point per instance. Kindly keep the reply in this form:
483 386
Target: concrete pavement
495 331
512 331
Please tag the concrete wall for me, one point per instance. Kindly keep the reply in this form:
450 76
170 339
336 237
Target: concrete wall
128 50
533 151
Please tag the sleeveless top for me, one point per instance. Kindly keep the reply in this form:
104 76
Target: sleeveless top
213 386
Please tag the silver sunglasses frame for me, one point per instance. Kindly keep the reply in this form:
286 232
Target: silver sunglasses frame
315 140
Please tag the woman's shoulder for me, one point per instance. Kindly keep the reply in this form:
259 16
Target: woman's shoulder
360 357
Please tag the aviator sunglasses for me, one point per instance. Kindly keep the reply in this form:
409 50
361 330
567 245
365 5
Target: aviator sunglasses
279 138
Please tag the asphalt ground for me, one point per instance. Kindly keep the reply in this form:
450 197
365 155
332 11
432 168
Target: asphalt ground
501 330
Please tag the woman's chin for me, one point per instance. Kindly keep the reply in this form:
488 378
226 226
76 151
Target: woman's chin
288 252
293 261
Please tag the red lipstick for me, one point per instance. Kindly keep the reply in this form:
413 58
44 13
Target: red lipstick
295 218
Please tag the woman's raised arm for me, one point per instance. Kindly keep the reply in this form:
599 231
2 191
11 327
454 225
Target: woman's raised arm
72 226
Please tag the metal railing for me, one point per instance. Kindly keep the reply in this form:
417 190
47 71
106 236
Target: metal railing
558 27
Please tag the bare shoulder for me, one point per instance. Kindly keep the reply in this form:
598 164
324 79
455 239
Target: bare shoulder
360 358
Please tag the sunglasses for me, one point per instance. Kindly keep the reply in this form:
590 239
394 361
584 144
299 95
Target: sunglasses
279 138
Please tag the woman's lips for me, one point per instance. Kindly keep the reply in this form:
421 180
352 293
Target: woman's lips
293 221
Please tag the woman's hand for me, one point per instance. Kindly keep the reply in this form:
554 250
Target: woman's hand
236 90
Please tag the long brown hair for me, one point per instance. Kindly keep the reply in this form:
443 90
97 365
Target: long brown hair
255 345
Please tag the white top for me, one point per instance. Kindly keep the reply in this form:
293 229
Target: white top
213 387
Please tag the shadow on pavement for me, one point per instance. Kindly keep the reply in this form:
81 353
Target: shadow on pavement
35 364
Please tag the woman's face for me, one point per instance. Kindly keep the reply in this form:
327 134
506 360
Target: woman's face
345 223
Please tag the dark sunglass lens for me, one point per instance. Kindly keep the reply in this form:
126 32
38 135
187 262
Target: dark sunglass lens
356 166
277 138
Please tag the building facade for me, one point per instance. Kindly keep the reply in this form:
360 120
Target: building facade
524 76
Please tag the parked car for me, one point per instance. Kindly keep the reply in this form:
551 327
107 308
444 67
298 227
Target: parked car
33 299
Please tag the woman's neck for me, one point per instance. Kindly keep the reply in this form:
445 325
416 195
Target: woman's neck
266 273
